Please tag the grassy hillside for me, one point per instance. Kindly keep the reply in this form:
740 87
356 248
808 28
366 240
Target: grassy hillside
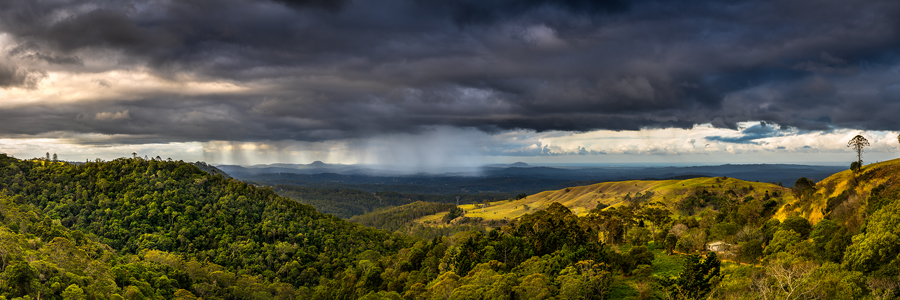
584 198
846 196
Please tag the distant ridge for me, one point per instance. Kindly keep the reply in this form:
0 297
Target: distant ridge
519 165
210 169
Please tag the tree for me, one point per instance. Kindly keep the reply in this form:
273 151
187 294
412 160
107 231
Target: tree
444 286
55 158
693 240
803 188
782 241
671 240
857 143
73 292
503 287
657 214
182 294
723 231
797 224
883 288
21 279
8 244
786 277
638 236
750 251
697 279
584 280
453 214
639 255
535 286
879 244
382 295
823 232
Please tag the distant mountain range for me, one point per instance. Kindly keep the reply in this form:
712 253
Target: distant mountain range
512 178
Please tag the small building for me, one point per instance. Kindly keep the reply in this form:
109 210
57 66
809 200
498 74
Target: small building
717 246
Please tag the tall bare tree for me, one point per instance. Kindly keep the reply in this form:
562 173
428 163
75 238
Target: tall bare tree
786 279
883 288
858 142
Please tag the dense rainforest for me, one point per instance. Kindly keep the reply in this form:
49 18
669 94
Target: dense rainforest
134 205
153 229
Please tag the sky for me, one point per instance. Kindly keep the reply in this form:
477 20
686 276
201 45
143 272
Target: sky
428 84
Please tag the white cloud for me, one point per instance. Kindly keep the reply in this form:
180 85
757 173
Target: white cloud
109 116
438 148
69 151
691 145
118 85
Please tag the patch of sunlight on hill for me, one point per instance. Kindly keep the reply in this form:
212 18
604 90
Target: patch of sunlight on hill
582 199
857 186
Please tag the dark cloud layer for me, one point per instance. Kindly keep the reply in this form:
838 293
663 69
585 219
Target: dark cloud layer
12 75
321 70
468 12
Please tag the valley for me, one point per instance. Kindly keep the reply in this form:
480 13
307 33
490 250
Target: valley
153 229
449 150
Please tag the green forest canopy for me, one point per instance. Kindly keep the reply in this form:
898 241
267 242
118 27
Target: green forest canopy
154 229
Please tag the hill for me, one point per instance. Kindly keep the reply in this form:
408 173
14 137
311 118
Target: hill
152 229
394 218
136 205
346 203
846 196
676 194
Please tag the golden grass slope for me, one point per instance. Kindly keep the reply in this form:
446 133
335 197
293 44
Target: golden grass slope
584 198
859 186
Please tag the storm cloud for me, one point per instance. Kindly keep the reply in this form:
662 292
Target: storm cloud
318 70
